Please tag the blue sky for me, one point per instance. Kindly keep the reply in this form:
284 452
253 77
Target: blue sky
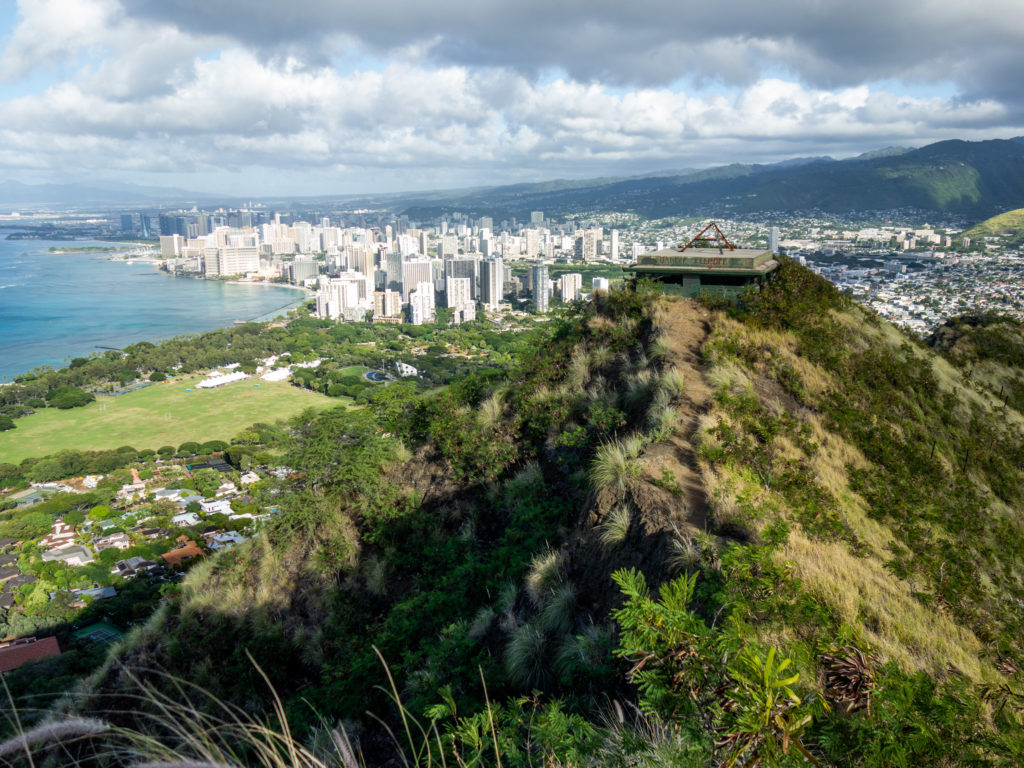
400 94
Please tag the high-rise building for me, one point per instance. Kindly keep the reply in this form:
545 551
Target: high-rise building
492 282
773 240
414 272
171 245
392 263
585 246
536 218
127 225
458 292
464 267
421 304
541 287
531 240
238 261
571 286
614 252
387 307
349 296
599 284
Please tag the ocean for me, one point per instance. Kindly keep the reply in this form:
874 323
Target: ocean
57 306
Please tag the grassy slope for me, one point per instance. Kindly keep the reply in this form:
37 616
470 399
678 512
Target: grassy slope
1009 222
163 414
883 523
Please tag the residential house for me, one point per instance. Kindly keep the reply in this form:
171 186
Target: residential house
167 493
14 653
117 540
6 601
249 478
184 501
227 487
8 572
151 533
132 567
7 541
129 491
8 560
185 551
74 555
96 593
91 481
223 539
60 535
19 581
186 519
216 507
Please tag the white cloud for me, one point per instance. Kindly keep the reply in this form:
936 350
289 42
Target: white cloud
137 94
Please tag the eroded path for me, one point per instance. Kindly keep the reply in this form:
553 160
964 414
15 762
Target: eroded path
688 327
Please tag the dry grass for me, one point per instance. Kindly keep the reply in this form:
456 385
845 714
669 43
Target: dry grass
729 376
863 593
490 410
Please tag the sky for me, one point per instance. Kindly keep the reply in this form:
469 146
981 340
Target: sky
297 97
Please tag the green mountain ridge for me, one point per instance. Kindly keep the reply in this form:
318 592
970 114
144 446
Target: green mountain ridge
970 179
768 534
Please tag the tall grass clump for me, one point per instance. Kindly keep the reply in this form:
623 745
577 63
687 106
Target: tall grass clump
615 529
490 411
526 657
559 609
614 467
544 576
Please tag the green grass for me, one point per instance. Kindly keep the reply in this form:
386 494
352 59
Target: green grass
353 370
163 414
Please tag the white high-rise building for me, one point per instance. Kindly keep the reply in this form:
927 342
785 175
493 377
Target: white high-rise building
599 284
421 304
614 253
773 240
541 287
571 286
531 238
349 296
237 261
492 282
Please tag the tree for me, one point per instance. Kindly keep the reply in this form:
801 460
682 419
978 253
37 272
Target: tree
207 481
66 396
6 423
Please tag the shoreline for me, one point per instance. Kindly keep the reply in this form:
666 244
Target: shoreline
51 353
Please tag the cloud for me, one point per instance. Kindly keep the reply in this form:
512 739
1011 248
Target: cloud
651 42
388 94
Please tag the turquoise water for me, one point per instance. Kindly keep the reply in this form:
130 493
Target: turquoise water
57 306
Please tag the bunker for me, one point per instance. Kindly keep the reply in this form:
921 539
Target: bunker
707 266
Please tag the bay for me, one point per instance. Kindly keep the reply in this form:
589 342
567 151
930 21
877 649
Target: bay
57 306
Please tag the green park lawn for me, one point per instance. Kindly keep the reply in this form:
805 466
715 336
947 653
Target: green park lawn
162 414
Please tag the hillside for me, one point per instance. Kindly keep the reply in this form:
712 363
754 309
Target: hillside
673 534
1010 225
972 179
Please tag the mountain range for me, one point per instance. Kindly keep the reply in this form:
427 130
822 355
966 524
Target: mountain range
970 179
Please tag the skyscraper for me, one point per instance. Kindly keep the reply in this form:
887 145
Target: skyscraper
541 287
492 282
773 240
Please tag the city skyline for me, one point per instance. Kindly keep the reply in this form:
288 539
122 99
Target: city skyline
397 96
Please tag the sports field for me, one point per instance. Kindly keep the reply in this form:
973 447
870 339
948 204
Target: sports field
163 414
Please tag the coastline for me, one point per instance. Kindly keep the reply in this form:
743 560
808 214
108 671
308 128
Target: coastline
96 307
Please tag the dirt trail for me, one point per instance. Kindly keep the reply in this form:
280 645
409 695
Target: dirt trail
688 327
